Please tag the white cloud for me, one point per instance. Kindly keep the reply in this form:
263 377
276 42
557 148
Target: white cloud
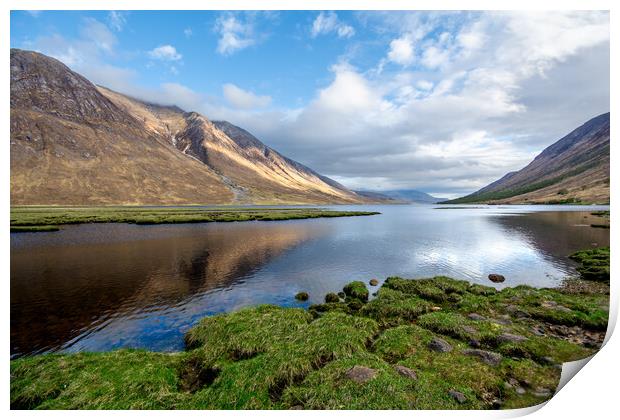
402 50
243 99
117 20
326 23
165 53
188 32
235 35
99 34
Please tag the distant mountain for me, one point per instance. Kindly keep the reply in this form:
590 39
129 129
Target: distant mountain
401 196
575 169
76 143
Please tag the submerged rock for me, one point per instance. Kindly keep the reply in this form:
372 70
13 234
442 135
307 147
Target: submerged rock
439 345
488 357
406 372
497 278
302 296
360 374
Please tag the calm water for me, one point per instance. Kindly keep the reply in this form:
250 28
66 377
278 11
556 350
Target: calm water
106 286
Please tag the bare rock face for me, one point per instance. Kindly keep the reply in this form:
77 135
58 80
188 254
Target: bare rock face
360 374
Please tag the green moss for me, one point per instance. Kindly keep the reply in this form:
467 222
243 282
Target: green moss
45 228
594 263
269 357
332 298
356 290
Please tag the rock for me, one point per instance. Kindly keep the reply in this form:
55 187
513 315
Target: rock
458 396
539 331
356 290
550 304
360 374
474 343
341 295
406 372
373 282
469 329
496 404
497 278
510 338
331 298
355 305
476 317
439 345
302 296
520 390
516 312
488 357
542 392
435 308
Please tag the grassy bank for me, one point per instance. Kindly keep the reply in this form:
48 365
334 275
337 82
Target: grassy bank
37 219
432 343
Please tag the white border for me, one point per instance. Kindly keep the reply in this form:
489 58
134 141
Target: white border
592 394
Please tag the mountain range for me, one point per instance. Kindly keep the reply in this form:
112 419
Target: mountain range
575 169
401 196
75 143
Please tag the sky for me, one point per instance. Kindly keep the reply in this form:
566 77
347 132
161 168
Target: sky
442 102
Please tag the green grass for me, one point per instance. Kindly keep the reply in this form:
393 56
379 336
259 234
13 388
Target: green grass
269 357
594 263
37 219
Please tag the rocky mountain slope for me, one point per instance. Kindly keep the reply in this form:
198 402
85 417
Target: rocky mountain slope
76 143
575 169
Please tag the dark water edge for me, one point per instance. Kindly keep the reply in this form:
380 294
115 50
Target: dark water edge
106 286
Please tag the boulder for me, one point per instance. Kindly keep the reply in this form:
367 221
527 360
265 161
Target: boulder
488 357
331 298
360 374
406 372
439 345
458 396
497 278
373 282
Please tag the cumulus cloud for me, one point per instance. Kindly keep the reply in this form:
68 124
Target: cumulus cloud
243 99
234 34
328 22
402 50
165 53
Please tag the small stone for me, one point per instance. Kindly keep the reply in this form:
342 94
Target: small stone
360 374
548 360
476 317
474 343
406 372
469 329
488 357
542 392
435 308
373 282
511 338
496 278
520 390
458 396
303 296
439 345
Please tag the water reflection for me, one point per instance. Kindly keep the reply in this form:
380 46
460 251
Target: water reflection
101 287
63 286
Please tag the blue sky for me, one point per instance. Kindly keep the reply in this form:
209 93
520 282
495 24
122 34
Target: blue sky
437 101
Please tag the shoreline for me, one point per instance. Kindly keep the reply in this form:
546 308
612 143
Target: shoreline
47 219
434 343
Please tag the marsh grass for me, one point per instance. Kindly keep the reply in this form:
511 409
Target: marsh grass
270 357
34 219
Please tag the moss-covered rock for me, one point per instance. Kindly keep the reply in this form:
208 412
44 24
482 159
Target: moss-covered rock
356 290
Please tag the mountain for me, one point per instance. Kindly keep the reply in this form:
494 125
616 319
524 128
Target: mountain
575 169
76 143
401 196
